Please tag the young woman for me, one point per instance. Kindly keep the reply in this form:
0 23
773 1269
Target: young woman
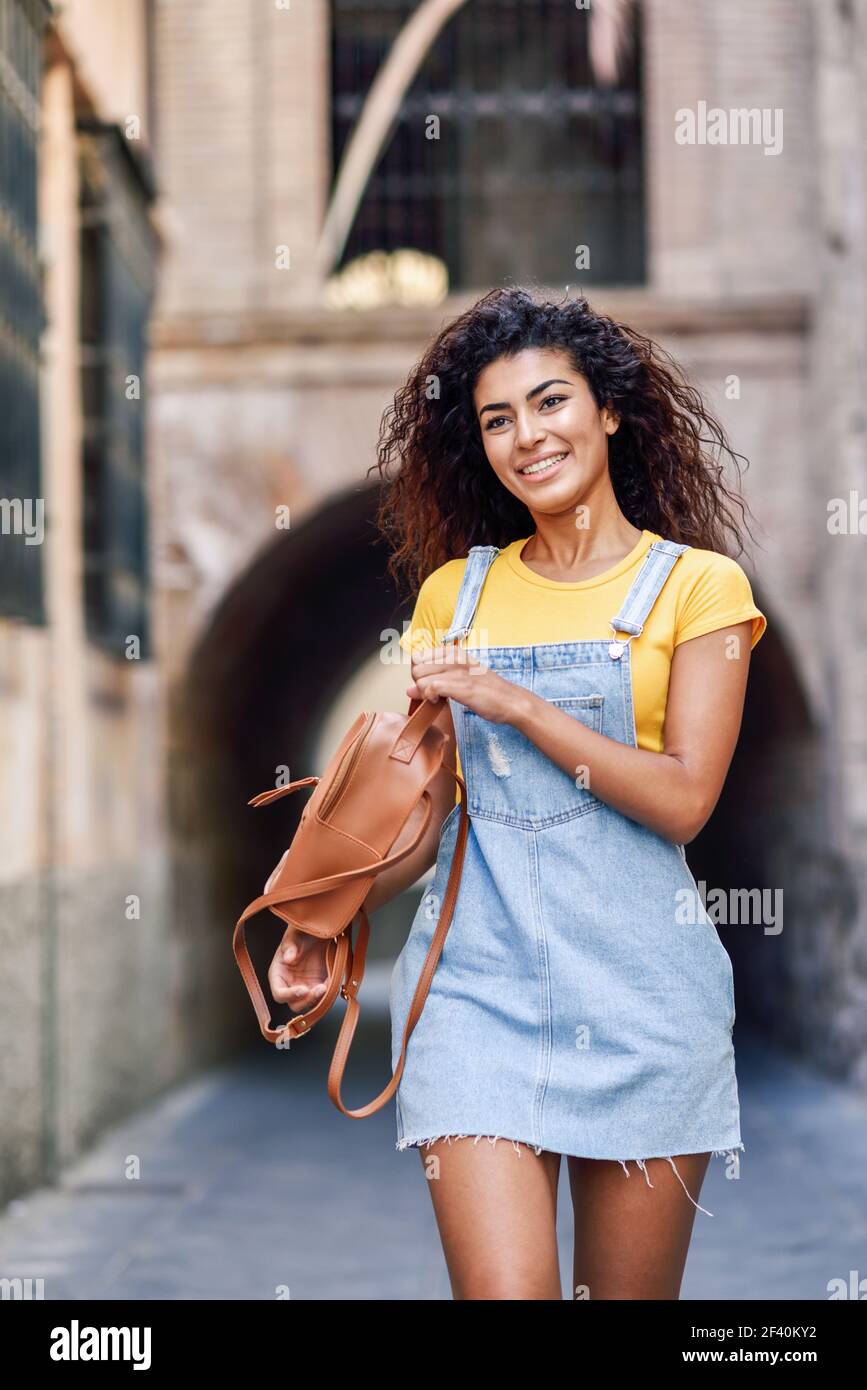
589 641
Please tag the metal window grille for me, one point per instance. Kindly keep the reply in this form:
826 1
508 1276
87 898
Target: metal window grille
534 156
118 259
22 25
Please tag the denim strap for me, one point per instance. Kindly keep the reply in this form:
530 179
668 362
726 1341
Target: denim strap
658 564
479 561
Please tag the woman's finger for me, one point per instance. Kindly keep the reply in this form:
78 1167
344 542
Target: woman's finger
440 656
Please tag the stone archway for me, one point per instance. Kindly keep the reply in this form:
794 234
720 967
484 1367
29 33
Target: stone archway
298 624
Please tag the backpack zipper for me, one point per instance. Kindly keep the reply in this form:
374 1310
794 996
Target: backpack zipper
344 772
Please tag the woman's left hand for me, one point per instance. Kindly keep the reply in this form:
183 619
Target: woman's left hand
448 672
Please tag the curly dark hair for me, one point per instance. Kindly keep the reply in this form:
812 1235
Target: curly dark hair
445 497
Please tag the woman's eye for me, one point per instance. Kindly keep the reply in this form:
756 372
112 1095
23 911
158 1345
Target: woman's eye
498 418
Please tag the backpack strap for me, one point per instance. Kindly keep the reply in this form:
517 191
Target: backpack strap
350 1018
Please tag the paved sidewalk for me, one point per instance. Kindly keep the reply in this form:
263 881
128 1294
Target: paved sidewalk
251 1180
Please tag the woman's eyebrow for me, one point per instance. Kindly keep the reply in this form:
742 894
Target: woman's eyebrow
506 405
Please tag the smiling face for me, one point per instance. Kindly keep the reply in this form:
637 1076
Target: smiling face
536 407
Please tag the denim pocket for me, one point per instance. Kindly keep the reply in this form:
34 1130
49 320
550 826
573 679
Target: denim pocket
512 780
453 812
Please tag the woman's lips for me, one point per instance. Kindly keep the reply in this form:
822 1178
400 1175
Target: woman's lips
544 474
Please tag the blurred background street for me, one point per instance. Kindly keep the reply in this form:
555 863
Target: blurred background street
252 1186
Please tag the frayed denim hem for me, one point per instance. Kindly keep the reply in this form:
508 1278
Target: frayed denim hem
642 1162
714 1153
491 1138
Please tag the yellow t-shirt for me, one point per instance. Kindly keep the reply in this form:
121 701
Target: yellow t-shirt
518 607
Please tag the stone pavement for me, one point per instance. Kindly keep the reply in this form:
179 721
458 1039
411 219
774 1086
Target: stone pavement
251 1180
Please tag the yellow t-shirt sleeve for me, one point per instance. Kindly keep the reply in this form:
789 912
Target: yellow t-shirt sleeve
434 607
718 596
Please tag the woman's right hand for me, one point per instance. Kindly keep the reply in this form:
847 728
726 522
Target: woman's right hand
298 975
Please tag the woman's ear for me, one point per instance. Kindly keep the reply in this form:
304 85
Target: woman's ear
610 420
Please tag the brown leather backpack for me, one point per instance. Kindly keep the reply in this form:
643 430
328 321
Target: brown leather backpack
349 832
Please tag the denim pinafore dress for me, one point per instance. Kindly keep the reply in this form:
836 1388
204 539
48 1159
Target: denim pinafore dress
583 1002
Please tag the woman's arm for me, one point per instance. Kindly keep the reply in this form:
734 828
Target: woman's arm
673 792
442 790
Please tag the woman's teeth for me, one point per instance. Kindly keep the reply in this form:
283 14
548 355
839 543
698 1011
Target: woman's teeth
543 466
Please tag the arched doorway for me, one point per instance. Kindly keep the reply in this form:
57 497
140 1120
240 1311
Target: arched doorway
278 652
294 631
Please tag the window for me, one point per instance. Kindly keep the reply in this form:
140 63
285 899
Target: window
534 157
118 256
22 24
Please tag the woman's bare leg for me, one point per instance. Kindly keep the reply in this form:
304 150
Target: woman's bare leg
496 1209
631 1240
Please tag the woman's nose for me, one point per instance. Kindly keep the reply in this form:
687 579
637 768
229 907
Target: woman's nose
529 433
